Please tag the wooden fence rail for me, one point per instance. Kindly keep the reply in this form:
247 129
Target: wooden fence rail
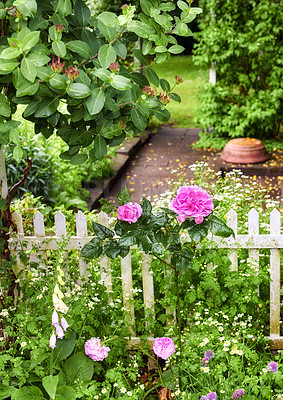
253 241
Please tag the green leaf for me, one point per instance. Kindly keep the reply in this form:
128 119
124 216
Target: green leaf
160 49
18 153
79 367
182 5
31 108
47 107
128 240
195 10
106 55
162 115
65 393
176 49
59 48
10 53
146 6
44 73
6 391
50 384
175 97
146 46
144 241
124 196
139 120
58 81
78 91
219 227
38 58
26 7
79 159
103 74
197 232
95 101
38 23
92 249
28 69
30 40
99 147
121 49
28 393
139 55
152 77
165 85
119 82
109 19
7 66
139 79
82 13
164 21
102 231
5 109
146 206
112 249
167 6
107 31
80 47
63 7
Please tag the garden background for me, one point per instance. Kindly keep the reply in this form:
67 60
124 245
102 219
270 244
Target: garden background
81 73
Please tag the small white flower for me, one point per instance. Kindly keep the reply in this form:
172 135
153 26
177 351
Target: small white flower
103 391
115 384
264 370
39 296
177 392
129 393
206 369
239 352
123 390
136 365
221 329
225 348
23 344
227 343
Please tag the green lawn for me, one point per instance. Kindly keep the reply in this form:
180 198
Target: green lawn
183 114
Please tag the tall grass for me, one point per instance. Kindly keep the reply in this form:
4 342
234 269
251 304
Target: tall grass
184 113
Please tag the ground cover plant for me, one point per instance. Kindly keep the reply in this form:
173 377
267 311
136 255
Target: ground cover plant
223 351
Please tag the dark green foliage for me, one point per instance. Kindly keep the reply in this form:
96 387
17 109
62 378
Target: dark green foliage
244 41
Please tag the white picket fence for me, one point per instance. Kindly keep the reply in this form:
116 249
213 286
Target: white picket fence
252 241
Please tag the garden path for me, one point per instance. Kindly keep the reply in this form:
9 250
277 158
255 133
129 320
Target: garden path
168 153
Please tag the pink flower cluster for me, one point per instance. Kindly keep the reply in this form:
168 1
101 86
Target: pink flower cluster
114 67
209 396
191 201
238 394
95 350
129 212
59 28
272 366
56 65
122 125
164 98
207 356
148 91
60 329
72 73
163 347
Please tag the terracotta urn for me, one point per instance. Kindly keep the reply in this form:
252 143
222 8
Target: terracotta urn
244 151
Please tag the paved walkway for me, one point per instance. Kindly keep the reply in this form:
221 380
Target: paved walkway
169 151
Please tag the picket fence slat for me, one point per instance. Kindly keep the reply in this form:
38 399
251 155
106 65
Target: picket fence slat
105 264
232 222
253 241
275 277
81 230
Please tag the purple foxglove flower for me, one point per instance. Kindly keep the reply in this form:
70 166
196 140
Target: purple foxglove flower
52 341
64 324
59 332
272 366
205 360
203 398
55 318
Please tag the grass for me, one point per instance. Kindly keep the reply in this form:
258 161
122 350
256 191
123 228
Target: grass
183 114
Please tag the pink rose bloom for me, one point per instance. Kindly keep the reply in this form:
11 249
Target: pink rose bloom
191 201
163 347
95 350
129 212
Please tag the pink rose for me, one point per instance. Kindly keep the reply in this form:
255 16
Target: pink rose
163 347
191 201
129 212
95 350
